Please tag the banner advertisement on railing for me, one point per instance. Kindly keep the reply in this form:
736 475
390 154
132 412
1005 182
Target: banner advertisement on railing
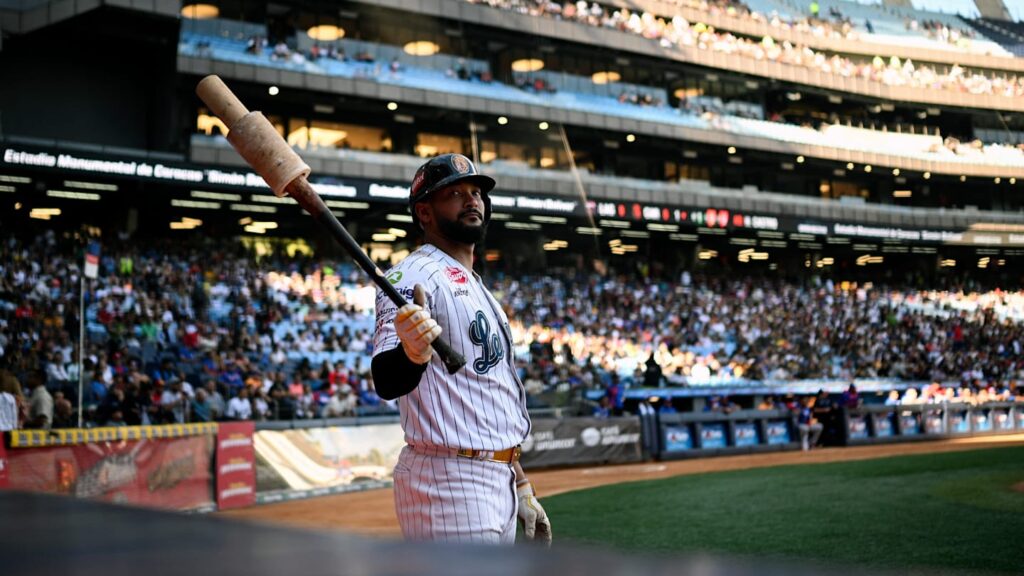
678 438
777 432
326 458
746 434
170 473
558 442
712 435
236 465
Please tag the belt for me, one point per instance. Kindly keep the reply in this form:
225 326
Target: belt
506 456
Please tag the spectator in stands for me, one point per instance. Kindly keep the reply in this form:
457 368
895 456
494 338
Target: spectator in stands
850 398
768 403
217 405
809 426
342 404
10 408
667 407
63 413
201 411
240 407
653 377
174 404
40 414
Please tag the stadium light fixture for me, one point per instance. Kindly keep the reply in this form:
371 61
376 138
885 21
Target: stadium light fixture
927 175
421 48
963 178
543 125
527 65
799 159
273 90
849 165
895 171
397 232
630 138
383 237
5 188
867 168
731 150
326 33
200 11
15 179
997 180
405 218
947 263
902 193
607 77
1013 181
502 120
392 106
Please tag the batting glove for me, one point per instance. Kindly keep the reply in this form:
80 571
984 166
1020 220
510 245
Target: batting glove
416 329
532 516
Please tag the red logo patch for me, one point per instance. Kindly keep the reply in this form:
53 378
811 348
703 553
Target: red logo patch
456 275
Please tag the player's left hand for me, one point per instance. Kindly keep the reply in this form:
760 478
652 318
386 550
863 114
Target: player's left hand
536 525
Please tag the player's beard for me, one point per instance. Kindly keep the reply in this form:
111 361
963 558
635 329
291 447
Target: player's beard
456 231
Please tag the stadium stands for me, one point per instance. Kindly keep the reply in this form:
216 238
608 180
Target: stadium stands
443 74
297 333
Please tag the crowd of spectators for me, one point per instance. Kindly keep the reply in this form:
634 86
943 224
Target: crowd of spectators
178 335
678 32
708 330
200 331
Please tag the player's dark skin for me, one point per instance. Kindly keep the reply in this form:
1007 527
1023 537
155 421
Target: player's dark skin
452 216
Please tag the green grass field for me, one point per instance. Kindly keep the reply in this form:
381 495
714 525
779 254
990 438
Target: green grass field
955 510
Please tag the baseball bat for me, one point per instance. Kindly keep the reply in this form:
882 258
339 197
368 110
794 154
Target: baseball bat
271 157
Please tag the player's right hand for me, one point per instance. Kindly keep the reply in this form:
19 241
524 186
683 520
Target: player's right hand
416 329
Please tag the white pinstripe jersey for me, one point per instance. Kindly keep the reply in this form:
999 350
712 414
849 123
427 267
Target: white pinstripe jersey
483 405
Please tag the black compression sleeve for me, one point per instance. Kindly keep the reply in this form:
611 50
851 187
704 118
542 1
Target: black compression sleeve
394 374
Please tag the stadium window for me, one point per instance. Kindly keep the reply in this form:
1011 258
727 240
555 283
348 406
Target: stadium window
433 144
321 134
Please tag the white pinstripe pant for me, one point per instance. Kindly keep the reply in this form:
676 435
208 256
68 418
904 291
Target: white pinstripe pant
452 499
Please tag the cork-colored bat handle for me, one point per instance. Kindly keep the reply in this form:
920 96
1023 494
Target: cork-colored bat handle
221 100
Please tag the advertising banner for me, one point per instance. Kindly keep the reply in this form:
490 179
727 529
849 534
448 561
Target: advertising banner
982 422
883 425
777 432
857 427
557 442
236 465
173 473
910 425
1001 419
678 438
712 435
326 458
746 434
959 423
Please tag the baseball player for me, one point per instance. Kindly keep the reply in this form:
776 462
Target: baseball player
458 479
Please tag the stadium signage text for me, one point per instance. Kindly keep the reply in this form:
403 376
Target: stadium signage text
121 168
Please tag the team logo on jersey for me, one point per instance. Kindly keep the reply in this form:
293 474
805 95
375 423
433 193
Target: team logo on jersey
481 335
394 277
456 274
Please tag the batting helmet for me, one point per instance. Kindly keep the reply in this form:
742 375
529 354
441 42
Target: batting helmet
442 171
